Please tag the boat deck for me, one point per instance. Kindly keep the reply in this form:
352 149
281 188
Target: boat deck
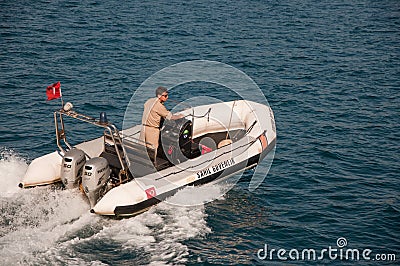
143 160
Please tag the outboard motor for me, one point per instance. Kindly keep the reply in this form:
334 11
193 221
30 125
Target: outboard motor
71 167
94 179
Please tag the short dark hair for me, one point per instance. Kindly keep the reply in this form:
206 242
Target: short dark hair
160 90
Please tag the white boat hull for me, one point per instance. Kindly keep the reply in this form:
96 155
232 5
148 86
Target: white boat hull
142 192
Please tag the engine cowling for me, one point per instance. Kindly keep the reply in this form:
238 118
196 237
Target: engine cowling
96 173
71 168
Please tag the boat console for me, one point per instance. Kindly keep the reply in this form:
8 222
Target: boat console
175 141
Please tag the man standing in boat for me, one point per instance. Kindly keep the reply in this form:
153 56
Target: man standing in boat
154 110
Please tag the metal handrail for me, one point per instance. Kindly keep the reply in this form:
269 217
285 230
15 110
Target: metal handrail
111 128
60 134
116 147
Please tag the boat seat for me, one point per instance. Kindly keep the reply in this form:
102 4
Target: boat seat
139 157
161 164
113 162
144 156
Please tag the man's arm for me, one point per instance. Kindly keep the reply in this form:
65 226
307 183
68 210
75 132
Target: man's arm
177 116
163 112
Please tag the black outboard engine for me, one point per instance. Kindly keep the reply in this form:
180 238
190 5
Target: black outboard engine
176 140
96 173
71 168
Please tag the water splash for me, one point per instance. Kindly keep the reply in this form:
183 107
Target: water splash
12 169
154 237
51 225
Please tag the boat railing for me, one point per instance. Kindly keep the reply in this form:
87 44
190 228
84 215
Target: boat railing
109 129
135 146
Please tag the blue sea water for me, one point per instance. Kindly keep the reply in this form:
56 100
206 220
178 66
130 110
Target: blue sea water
329 69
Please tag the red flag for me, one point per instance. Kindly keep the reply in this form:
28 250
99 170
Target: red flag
53 91
151 192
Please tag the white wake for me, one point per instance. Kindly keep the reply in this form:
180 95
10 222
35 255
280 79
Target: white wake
52 225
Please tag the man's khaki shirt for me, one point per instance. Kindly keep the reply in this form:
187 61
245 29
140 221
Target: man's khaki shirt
153 111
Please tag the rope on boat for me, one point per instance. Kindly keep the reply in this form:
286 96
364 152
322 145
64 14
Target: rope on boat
201 116
127 136
251 127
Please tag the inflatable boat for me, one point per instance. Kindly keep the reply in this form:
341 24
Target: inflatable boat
122 175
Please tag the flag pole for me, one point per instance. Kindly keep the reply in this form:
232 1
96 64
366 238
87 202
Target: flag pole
62 100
